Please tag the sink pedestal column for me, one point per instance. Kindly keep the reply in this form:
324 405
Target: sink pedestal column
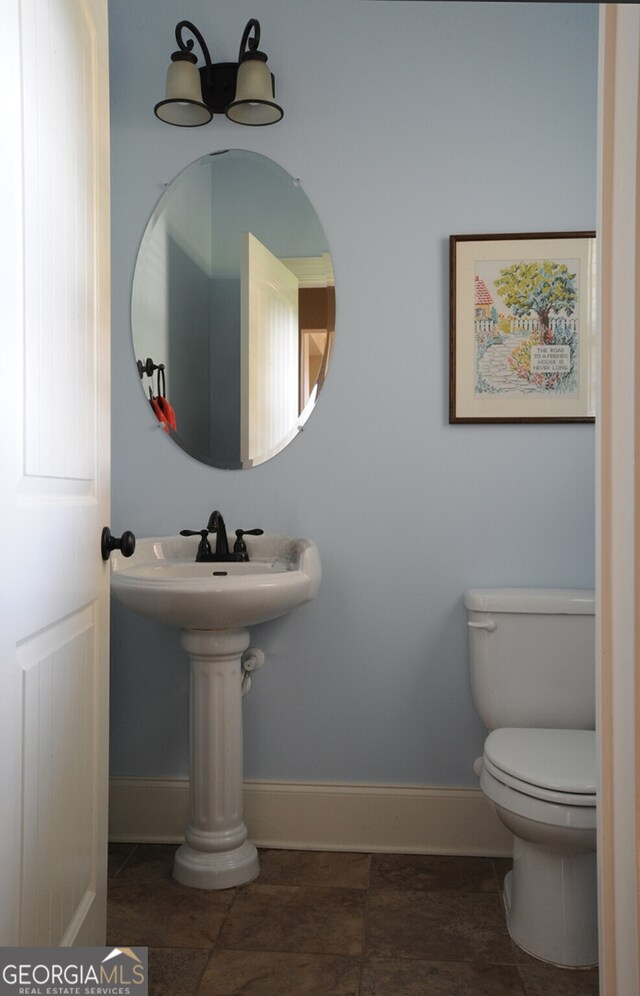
216 853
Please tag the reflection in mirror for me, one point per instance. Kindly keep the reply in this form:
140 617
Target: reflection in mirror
233 309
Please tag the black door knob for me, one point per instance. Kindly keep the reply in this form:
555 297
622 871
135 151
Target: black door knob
125 543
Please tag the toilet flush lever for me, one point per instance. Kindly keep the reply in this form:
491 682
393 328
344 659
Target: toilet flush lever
488 624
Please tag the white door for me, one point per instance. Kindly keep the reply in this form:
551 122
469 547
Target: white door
54 288
269 353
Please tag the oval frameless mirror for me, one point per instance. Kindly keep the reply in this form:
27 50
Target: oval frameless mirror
233 309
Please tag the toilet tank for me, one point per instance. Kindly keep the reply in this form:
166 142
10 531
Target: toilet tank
532 656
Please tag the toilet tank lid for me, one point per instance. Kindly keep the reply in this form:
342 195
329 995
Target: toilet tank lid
563 601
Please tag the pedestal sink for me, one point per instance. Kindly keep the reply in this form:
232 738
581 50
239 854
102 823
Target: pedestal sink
214 603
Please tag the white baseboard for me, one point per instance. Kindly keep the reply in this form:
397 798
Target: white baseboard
327 817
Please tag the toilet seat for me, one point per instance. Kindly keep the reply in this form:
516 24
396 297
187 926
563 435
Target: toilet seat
557 766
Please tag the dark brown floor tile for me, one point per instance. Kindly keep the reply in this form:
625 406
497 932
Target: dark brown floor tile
438 926
149 861
268 973
545 980
332 868
432 872
162 913
409 977
296 918
175 971
118 855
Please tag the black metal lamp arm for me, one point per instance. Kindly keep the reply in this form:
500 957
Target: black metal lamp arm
187 46
253 43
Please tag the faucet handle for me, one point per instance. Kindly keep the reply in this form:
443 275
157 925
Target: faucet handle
204 547
240 546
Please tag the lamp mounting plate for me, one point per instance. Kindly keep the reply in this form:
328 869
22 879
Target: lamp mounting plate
219 85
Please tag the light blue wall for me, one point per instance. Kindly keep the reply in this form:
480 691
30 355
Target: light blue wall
406 122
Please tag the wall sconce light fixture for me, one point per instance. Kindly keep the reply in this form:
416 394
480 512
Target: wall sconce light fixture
243 90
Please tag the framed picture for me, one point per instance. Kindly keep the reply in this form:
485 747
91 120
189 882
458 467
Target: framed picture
522 336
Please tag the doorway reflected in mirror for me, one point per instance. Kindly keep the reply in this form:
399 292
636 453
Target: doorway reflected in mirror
234 294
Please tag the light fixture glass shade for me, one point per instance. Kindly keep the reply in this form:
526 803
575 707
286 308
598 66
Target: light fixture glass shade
183 104
254 103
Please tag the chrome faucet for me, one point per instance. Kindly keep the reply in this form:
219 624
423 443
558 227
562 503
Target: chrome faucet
216 525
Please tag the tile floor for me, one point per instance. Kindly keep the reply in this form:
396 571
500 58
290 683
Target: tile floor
328 924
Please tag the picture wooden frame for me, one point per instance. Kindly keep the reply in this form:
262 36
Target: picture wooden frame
522 329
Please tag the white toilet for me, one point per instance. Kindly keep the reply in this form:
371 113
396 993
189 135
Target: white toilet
533 682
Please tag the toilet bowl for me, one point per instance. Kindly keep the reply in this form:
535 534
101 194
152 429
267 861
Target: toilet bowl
542 786
533 684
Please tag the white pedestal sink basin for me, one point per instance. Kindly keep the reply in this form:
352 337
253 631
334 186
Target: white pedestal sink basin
214 603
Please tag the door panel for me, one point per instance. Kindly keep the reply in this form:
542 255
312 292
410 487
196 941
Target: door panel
60 768
60 169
